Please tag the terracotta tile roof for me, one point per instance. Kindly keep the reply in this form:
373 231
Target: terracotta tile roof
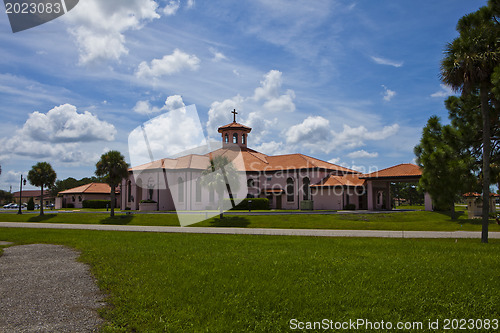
405 170
475 194
234 125
31 193
96 188
250 160
344 180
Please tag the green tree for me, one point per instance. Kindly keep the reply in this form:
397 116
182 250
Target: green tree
469 63
42 175
217 177
31 204
112 168
446 170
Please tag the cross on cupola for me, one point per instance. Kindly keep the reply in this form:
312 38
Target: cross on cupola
234 115
234 133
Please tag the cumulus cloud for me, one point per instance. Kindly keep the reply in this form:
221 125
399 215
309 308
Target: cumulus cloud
260 111
171 103
311 130
352 137
388 93
168 65
58 134
362 154
383 61
99 27
444 92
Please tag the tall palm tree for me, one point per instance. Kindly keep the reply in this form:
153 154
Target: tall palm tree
468 65
218 176
113 168
42 174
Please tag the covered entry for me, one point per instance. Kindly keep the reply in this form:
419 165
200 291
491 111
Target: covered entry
378 185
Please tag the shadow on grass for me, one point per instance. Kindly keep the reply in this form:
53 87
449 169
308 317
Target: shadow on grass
230 221
458 214
41 218
118 220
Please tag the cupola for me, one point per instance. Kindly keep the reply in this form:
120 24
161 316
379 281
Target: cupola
235 133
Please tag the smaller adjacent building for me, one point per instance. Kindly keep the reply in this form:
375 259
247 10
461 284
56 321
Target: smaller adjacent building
93 191
475 204
35 194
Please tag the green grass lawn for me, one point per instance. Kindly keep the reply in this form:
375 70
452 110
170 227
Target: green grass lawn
413 220
224 283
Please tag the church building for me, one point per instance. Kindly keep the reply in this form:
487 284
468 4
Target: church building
291 181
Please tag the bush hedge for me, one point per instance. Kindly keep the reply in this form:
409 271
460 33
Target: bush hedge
257 204
70 205
96 203
350 207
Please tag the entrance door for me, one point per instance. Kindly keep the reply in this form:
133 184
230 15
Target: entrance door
278 201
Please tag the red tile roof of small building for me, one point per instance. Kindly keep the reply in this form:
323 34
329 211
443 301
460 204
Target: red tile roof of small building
405 170
31 193
95 188
475 194
234 125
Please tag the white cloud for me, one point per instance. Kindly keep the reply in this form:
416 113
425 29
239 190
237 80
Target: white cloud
218 56
259 111
99 26
172 7
444 92
362 154
174 102
312 130
58 135
190 4
171 103
388 93
168 65
352 137
383 61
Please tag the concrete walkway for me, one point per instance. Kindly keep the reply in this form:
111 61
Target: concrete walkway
258 231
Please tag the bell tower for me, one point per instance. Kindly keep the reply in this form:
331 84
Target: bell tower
234 133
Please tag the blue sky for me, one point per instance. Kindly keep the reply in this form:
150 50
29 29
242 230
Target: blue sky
351 82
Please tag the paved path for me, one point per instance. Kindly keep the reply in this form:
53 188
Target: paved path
44 289
258 231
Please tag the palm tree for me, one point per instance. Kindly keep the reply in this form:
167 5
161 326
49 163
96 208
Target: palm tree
218 176
467 67
42 174
113 168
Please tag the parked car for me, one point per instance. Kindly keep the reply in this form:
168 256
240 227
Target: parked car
37 206
14 206
8 205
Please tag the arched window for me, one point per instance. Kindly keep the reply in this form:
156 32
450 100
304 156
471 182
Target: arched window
198 190
289 190
243 139
305 188
226 138
211 195
250 183
235 138
180 191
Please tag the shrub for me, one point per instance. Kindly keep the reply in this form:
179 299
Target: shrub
70 205
147 201
257 204
128 208
96 203
350 207
31 204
